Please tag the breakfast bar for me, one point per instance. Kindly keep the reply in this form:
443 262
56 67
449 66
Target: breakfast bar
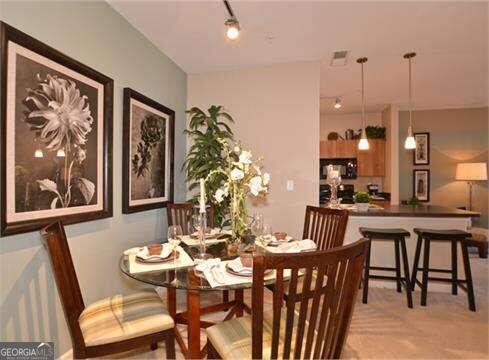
409 217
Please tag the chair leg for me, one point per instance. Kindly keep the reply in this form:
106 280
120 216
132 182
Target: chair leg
211 351
426 266
454 268
398 266
154 345
416 262
366 273
406 273
225 297
468 276
170 344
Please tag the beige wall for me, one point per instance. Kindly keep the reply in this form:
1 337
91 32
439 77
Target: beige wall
93 33
386 121
276 109
341 122
456 135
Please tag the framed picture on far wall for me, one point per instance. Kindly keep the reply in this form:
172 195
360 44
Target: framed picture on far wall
421 184
56 136
148 153
422 152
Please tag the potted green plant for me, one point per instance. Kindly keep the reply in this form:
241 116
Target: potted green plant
208 132
362 200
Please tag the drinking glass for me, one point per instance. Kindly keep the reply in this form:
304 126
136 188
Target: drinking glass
174 237
257 225
267 234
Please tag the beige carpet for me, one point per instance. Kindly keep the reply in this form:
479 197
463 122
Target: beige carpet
386 328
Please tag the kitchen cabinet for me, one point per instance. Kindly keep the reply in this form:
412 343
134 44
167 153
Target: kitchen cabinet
369 162
332 149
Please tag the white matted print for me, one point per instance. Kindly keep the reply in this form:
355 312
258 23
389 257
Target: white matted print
422 150
54 138
148 158
421 184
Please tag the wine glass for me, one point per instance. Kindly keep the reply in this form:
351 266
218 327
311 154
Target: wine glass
267 234
257 225
174 237
175 233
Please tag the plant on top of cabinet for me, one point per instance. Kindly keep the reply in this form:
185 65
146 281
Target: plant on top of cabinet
375 132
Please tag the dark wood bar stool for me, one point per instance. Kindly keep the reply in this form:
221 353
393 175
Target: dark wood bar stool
398 237
453 236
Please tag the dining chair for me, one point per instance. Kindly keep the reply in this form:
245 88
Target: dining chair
325 226
111 325
315 327
181 214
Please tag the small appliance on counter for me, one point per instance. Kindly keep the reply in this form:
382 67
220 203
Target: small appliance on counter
346 166
373 189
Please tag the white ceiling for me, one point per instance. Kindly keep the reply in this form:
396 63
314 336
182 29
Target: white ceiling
451 39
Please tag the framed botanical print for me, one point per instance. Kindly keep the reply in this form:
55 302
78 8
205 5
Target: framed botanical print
56 136
148 153
421 184
421 154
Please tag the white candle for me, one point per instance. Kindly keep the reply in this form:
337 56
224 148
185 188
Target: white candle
202 196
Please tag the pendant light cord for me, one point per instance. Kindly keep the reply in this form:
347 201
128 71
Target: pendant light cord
363 98
410 95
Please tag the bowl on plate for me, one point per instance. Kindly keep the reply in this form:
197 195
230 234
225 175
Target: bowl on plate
280 235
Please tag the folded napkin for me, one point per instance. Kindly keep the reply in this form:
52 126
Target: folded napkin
297 246
166 250
202 266
237 266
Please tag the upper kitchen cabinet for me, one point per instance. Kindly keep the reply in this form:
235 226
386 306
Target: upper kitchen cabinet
332 149
370 162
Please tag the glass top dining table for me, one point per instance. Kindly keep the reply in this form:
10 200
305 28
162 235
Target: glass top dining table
188 278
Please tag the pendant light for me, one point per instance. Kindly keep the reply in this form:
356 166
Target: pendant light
363 143
410 142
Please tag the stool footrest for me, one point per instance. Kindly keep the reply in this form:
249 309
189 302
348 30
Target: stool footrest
445 271
384 277
382 268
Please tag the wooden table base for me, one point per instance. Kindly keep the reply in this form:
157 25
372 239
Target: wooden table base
191 318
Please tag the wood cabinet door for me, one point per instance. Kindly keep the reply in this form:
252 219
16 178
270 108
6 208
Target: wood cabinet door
327 149
371 162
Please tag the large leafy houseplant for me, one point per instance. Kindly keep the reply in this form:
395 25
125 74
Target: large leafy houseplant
207 132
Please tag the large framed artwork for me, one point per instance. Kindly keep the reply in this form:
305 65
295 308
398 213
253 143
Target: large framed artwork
421 155
56 136
148 153
421 184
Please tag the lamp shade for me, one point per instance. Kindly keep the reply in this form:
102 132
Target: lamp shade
471 171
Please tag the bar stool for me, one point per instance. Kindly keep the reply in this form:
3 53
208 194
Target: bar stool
398 237
452 236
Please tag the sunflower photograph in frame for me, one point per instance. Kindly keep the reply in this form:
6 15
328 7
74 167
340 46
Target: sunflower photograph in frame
56 124
148 153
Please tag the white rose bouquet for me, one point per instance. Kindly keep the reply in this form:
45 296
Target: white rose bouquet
243 177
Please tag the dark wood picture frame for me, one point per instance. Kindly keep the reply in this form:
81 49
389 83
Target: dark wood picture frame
9 34
129 94
427 171
415 161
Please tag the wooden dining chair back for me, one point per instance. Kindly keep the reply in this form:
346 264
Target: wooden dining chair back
56 244
54 240
325 226
181 214
317 325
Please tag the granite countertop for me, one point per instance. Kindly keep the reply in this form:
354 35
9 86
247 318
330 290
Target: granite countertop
415 211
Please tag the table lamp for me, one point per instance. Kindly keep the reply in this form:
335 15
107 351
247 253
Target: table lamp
471 172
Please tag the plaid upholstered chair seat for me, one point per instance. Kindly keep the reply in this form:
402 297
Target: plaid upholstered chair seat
123 317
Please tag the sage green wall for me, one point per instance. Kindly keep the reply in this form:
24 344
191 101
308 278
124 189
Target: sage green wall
96 35
456 135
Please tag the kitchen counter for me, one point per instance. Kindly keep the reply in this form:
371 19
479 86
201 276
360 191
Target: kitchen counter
416 211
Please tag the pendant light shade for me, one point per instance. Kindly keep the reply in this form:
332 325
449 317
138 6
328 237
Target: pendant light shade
410 142
363 143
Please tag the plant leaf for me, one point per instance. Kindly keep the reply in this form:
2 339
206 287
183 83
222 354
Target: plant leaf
87 188
54 202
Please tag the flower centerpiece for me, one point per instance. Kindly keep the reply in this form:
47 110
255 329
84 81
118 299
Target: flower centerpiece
242 177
